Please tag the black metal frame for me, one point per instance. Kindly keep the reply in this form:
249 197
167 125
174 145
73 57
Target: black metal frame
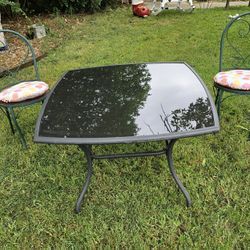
128 139
90 156
85 144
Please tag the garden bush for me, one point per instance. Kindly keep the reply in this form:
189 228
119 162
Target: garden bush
10 7
66 6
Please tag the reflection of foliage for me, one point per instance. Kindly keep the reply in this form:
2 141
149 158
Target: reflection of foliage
100 101
197 115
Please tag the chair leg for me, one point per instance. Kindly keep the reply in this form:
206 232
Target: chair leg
10 122
218 100
20 133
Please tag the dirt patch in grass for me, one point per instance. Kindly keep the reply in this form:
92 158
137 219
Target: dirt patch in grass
56 29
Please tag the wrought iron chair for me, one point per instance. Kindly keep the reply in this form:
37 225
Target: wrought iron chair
234 60
16 91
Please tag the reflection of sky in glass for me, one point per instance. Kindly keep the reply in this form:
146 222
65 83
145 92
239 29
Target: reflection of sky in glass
126 100
172 87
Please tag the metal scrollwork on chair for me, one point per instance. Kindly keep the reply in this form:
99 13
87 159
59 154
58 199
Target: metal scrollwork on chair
234 61
18 89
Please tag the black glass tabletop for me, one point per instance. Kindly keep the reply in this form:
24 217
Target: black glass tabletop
127 103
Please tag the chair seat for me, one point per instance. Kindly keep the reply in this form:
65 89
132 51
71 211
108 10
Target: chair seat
234 79
23 91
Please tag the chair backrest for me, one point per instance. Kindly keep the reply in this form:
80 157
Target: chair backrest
235 44
16 53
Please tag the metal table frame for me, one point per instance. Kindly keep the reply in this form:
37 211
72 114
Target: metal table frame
85 144
90 156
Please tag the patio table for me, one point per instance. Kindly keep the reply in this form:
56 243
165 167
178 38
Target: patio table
129 103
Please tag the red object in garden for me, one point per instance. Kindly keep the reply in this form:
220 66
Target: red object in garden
139 9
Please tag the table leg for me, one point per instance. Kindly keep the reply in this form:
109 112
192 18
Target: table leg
88 154
169 151
90 157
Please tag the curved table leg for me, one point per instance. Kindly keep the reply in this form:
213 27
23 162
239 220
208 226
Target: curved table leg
88 154
169 151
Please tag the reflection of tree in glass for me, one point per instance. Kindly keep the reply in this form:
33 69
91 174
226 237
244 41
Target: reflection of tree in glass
99 101
197 115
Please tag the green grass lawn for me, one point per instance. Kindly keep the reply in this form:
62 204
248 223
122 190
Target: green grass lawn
131 203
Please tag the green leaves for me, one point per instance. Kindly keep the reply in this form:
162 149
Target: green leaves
15 7
64 6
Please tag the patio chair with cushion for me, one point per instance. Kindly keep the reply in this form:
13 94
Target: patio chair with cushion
18 88
234 60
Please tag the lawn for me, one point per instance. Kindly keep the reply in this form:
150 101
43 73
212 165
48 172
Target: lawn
131 203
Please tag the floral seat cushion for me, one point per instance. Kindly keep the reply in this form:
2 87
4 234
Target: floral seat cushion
23 91
235 79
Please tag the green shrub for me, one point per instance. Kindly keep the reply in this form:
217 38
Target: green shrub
7 6
66 6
